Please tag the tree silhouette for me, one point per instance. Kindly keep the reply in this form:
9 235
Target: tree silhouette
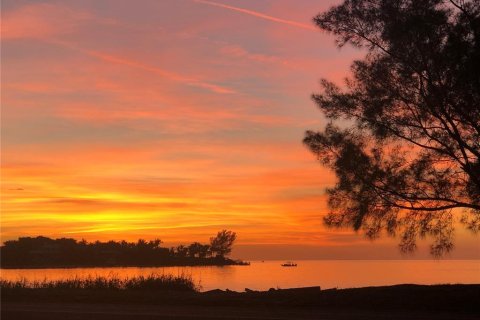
65 252
404 133
181 251
194 249
221 245
198 250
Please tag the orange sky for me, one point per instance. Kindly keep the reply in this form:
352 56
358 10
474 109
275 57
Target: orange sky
170 119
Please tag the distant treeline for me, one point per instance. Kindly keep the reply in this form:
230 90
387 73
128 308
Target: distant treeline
42 252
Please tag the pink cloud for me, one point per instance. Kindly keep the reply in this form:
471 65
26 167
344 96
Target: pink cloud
41 20
239 52
259 15
192 81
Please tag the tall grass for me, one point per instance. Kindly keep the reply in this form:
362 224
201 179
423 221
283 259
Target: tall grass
153 282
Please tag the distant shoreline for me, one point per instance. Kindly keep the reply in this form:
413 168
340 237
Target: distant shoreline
45 253
209 262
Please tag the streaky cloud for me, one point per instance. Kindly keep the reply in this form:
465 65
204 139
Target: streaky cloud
139 65
258 15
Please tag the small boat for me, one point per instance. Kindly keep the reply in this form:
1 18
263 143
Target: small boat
289 264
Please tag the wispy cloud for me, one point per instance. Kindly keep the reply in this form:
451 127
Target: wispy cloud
164 73
146 67
259 15
44 20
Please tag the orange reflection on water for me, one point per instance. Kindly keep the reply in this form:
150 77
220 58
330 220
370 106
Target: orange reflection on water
269 274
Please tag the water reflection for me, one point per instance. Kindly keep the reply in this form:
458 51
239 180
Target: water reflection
268 274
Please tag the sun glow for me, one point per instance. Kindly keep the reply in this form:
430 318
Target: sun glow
174 126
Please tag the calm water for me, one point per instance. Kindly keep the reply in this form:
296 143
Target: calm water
268 274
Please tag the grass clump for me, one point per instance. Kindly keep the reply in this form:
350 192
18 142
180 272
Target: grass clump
152 282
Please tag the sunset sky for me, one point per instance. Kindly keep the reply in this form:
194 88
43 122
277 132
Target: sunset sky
172 119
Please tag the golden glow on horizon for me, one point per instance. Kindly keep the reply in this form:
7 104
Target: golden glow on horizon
150 122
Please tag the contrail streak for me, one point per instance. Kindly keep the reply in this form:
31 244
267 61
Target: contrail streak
259 15
139 65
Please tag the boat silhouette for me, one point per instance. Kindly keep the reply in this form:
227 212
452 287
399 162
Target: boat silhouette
289 264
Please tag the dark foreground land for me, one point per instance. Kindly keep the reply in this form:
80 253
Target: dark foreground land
393 302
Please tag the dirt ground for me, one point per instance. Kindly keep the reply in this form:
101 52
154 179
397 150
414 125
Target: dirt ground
91 311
